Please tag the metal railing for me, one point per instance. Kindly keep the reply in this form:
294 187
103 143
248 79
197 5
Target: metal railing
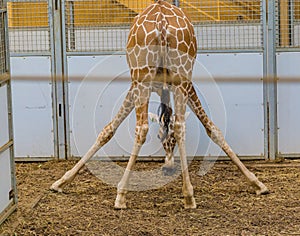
220 25
28 23
102 25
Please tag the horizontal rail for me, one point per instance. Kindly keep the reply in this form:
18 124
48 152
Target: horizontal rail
162 158
126 79
8 211
6 146
4 78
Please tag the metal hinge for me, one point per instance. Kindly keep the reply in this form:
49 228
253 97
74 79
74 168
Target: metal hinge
11 194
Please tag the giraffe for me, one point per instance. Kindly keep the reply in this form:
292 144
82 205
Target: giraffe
161 51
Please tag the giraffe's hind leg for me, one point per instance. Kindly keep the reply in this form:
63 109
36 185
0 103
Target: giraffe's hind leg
105 135
216 135
141 106
180 99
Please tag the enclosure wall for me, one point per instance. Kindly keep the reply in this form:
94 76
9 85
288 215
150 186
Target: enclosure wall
68 55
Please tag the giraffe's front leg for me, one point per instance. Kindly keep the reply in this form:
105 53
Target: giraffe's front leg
140 137
106 134
141 133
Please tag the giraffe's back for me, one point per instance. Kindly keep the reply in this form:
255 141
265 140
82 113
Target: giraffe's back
161 36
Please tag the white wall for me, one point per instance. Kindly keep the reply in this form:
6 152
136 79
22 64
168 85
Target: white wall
98 85
288 102
32 106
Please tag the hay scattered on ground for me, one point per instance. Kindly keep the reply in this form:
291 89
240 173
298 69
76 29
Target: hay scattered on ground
226 203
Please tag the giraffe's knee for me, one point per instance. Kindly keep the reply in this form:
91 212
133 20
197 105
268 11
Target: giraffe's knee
141 133
216 135
106 134
179 130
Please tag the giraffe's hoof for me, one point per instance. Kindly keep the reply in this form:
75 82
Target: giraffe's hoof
56 188
120 202
190 203
168 171
120 206
262 191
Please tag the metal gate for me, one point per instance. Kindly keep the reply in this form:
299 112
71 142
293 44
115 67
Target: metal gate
81 45
8 198
36 74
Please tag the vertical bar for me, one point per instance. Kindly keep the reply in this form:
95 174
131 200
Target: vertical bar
58 74
66 80
265 100
54 95
9 105
270 79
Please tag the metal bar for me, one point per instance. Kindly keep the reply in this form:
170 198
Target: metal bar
8 211
53 79
10 115
30 54
66 78
141 158
33 159
6 146
58 73
265 84
9 145
288 49
161 158
270 80
4 78
200 51
289 156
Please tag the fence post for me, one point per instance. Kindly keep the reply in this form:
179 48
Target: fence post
270 79
60 83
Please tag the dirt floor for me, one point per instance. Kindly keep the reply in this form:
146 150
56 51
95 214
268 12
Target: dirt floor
226 204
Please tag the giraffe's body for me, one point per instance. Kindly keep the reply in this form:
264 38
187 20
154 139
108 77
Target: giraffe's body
161 52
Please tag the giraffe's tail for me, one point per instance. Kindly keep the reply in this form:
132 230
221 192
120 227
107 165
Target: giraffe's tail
165 113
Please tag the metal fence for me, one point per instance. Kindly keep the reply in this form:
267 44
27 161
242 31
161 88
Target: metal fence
29 30
288 23
3 66
103 25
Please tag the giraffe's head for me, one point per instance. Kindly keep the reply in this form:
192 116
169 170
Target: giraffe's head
155 118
